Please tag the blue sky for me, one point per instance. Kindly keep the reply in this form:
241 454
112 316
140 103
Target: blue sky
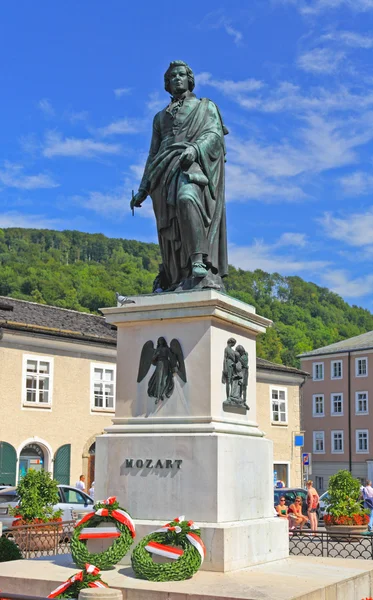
81 82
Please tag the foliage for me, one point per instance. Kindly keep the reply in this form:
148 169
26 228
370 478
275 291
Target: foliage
344 506
112 555
83 271
9 550
177 570
38 494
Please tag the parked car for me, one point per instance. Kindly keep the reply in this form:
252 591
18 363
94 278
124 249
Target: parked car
71 501
323 504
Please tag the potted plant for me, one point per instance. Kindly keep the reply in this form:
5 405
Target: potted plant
344 513
38 494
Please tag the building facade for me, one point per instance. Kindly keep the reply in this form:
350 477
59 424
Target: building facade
336 407
278 394
58 376
57 373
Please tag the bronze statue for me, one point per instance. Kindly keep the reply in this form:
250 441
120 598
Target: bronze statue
167 361
184 175
235 374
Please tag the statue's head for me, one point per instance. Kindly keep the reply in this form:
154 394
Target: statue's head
231 342
241 350
161 342
178 65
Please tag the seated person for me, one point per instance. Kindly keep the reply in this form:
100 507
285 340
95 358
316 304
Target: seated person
295 512
282 509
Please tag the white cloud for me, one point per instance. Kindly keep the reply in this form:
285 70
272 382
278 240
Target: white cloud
14 219
119 92
228 86
46 107
357 183
156 102
218 20
11 175
56 145
340 282
355 229
292 239
122 127
243 185
350 38
266 257
313 7
320 60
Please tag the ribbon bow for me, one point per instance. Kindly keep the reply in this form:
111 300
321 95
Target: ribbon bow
116 513
171 551
90 569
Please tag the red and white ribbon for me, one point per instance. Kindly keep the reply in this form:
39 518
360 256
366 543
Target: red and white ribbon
93 533
90 569
117 514
163 550
196 541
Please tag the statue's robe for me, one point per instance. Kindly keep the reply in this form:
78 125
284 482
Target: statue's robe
189 206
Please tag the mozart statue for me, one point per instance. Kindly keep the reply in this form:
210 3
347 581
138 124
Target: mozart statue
184 175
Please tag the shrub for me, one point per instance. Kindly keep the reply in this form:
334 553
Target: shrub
38 494
344 506
9 550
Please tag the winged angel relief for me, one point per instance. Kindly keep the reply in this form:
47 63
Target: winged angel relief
168 361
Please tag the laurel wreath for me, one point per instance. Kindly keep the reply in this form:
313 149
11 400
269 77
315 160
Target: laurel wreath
183 568
74 589
110 557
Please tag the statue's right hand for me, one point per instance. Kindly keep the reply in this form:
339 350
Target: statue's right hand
138 199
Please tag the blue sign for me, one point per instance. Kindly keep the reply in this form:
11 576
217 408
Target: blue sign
274 477
306 459
299 440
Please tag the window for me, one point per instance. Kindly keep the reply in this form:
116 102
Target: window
319 483
279 405
336 369
75 497
336 405
318 371
337 442
361 367
103 387
361 403
319 442
362 441
281 473
318 405
37 380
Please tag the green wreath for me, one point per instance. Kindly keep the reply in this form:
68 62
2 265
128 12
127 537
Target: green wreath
183 568
110 557
88 578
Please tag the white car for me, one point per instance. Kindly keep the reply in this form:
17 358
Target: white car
323 504
72 502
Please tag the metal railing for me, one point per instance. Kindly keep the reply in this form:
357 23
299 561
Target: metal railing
44 539
321 543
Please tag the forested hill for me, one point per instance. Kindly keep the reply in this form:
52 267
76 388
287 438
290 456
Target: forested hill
83 271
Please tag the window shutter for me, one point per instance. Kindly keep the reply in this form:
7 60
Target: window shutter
61 465
8 464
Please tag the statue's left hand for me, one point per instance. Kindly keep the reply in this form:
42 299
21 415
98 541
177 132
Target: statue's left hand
187 158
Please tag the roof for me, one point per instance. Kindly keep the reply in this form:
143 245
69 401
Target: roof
358 342
51 320
261 363
23 315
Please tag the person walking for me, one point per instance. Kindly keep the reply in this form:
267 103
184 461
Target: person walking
367 494
81 483
312 504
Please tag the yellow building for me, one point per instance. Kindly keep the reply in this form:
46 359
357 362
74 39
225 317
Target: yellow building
58 373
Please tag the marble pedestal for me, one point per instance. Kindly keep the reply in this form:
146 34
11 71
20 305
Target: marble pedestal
189 454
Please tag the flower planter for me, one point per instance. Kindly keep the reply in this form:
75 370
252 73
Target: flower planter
341 530
36 539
